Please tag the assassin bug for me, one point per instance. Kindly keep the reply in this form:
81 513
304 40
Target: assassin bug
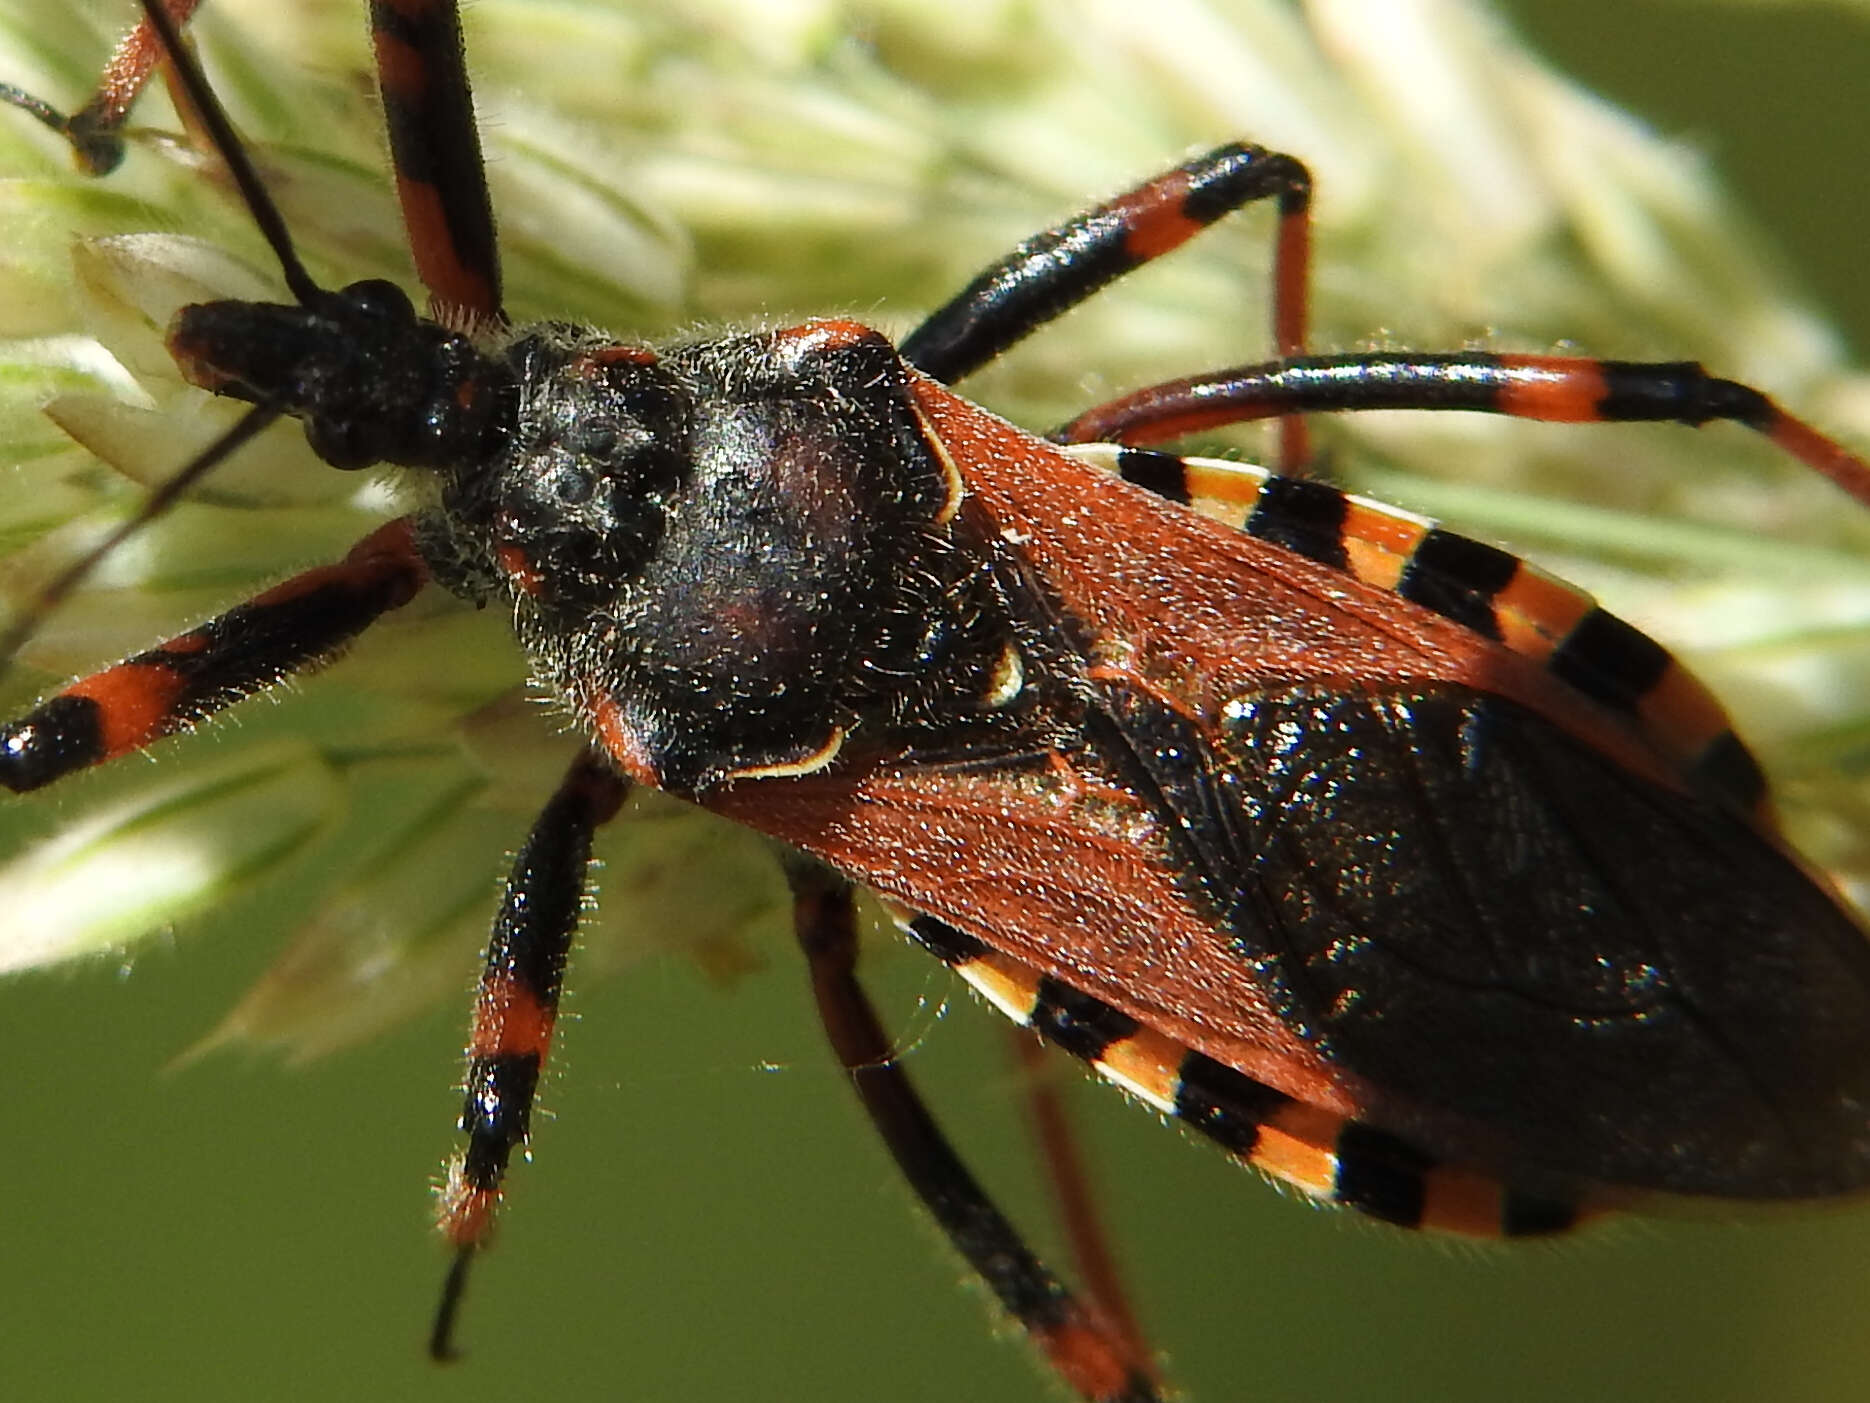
1156 464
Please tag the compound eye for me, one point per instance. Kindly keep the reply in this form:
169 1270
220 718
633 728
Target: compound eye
378 298
343 443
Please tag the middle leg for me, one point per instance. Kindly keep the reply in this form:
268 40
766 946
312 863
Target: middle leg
1093 1356
1052 272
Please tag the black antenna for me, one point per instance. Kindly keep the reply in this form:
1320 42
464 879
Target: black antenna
97 153
272 226
154 505
228 146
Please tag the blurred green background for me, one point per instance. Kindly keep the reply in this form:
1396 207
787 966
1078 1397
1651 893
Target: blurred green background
709 1217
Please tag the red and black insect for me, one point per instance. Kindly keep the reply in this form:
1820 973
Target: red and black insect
1398 869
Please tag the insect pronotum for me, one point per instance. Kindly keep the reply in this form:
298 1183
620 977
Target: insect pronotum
321 1144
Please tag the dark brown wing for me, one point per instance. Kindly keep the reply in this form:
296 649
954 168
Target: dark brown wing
1546 964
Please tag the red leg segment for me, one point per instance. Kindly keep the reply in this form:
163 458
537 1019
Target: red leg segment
179 683
435 148
515 1011
1054 271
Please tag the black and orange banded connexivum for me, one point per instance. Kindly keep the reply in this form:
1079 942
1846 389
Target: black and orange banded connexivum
1395 867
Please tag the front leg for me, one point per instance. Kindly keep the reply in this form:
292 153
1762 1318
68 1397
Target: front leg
294 625
515 1010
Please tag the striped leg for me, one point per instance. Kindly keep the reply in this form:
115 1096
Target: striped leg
1324 1155
433 138
173 686
435 148
514 1012
1091 1356
1053 272
95 130
1563 389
